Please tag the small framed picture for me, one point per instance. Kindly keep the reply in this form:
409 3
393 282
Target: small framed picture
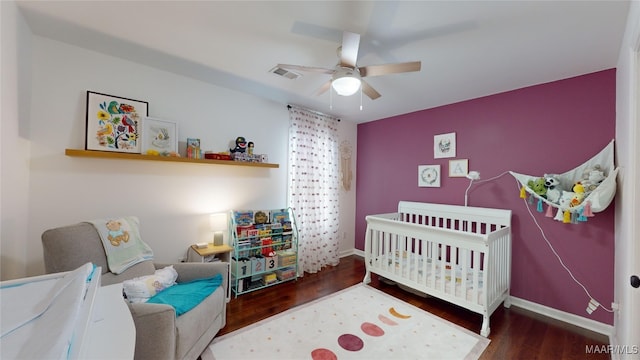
159 136
113 123
458 168
444 145
428 175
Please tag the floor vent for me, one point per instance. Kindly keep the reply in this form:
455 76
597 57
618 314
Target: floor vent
285 73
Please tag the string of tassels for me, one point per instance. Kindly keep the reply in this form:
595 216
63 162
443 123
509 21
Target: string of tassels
566 216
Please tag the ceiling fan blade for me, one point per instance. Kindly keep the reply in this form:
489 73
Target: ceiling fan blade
369 91
306 68
324 88
377 70
349 52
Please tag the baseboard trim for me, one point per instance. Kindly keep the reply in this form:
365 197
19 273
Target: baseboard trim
358 252
345 253
595 326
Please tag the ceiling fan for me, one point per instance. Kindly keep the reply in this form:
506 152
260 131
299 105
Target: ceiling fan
346 76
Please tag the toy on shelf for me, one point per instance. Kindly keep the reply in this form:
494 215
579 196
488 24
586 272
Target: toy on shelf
244 152
241 145
153 152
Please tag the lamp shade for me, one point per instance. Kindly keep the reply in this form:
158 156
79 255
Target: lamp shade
346 81
218 221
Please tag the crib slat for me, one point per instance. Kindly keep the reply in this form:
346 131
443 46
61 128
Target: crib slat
476 275
466 266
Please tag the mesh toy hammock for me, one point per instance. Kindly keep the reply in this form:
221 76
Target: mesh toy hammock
594 201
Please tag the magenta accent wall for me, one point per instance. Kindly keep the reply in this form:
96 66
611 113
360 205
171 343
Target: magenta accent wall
548 128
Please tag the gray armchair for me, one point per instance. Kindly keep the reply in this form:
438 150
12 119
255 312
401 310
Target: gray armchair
159 334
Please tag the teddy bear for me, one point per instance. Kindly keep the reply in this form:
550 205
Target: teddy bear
116 235
587 171
552 184
537 186
592 177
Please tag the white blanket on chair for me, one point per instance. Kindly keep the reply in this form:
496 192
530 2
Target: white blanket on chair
122 242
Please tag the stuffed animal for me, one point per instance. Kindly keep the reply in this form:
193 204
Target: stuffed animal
592 178
578 190
587 171
537 186
552 184
566 200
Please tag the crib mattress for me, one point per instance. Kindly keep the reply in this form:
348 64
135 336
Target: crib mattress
408 272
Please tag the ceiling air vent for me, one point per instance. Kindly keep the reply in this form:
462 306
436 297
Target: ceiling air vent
285 73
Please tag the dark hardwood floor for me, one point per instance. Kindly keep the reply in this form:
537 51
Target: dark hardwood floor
515 333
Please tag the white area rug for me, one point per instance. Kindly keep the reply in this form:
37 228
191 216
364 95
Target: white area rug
360 322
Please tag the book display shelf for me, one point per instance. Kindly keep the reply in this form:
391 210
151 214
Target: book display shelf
265 249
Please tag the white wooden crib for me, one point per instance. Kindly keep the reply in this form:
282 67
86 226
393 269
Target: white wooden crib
460 254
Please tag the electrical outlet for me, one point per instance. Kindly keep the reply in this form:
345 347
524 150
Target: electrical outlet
615 306
181 259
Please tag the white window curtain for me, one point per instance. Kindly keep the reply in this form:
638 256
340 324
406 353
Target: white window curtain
314 187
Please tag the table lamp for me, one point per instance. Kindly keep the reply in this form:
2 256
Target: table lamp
218 224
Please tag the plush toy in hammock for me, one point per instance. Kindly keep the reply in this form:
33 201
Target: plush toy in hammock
597 179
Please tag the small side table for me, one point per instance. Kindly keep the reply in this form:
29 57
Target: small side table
223 252
198 255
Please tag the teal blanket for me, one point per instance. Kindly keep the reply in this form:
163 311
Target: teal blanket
185 296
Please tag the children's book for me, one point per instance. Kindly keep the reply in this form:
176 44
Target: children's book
193 148
261 217
243 217
286 226
280 216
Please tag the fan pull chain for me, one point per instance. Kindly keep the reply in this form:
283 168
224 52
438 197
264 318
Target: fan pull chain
360 97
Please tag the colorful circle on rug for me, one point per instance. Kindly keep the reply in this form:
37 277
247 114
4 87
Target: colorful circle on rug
387 321
393 312
350 342
371 329
323 354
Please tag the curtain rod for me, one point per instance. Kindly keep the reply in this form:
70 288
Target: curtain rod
313 111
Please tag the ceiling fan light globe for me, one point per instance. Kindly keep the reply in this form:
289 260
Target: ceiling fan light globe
346 85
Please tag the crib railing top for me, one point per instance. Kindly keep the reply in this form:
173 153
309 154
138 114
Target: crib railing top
501 217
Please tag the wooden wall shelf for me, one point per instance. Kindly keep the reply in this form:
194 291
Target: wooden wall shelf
128 156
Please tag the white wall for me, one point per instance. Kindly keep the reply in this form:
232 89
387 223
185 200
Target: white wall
14 140
172 200
628 197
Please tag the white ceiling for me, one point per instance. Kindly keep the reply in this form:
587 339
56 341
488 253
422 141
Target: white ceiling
468 49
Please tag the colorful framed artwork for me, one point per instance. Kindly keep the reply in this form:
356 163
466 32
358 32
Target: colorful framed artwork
428 175
159 137
113 123
458 168
444 146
